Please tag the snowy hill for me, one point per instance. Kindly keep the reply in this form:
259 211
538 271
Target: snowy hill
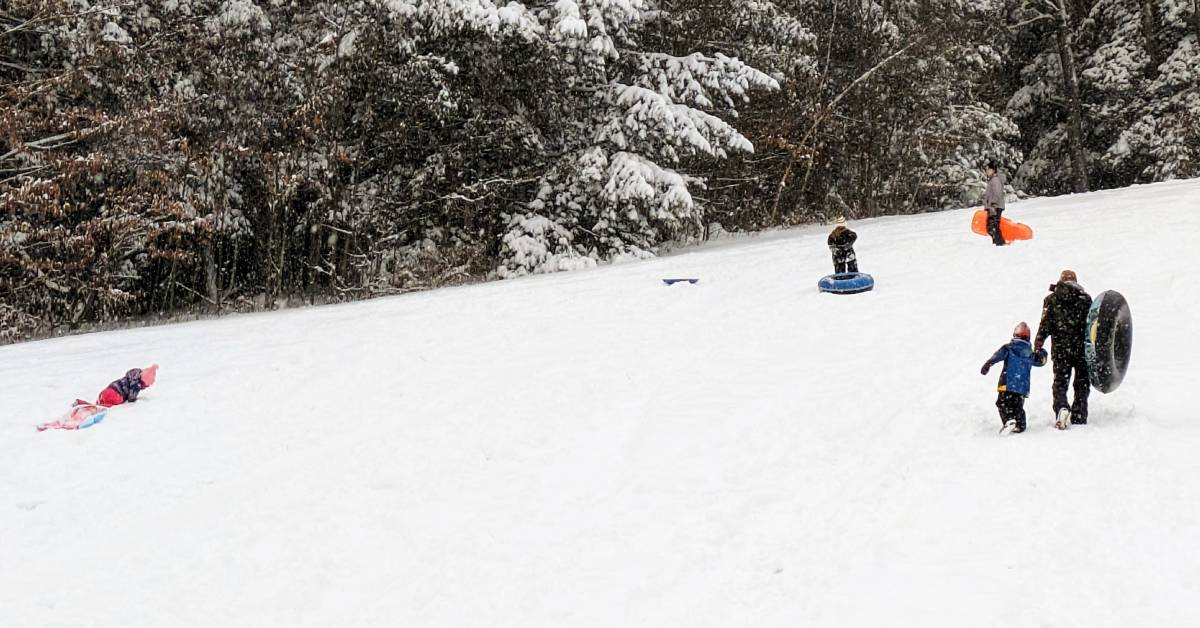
596 449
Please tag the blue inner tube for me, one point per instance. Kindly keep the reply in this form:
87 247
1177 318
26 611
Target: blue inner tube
846 283
1108 340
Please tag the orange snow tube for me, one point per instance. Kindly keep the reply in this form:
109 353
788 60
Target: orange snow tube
1009 229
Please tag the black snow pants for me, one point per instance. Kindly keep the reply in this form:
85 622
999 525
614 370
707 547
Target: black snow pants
993 226
1063 370
844 260
1012 407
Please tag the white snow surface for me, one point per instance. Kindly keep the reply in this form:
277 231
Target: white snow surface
596 449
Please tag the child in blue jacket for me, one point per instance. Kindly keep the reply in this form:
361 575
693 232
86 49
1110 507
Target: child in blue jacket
1019 359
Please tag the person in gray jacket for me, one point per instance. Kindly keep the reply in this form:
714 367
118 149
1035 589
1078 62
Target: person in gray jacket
993 201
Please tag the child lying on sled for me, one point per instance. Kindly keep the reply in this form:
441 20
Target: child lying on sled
84 414
126 389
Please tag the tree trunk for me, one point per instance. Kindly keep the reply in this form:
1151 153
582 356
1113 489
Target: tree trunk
1196 18
266 253
1079 178
787 173
283 289
1148 32
171 285
271 269
210 277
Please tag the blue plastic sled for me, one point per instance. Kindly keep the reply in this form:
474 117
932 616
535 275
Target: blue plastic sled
94 419
687 279
846 283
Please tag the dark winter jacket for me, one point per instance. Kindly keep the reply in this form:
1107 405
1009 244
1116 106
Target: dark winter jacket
1064 318
842 238
130 385
993 198
1019 359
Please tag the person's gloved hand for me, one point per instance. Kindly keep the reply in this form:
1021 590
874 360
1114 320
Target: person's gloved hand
984 370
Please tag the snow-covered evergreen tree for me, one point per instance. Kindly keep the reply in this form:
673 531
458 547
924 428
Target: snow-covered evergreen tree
1138 89
961 128
1144 72
1037 107
617 190
1050 104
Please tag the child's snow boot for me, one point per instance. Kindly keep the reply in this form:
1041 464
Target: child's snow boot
1063 420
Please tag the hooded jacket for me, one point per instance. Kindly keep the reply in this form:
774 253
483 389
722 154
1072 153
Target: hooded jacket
130 385
1019 359
1064 318
841 238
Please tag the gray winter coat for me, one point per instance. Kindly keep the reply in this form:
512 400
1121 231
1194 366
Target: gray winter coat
994 197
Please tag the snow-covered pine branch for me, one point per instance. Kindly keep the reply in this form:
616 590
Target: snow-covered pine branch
696 80
648 122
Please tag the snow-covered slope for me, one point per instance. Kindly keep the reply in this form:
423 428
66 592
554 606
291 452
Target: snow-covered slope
596 449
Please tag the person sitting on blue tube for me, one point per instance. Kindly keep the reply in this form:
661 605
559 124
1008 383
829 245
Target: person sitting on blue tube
841 244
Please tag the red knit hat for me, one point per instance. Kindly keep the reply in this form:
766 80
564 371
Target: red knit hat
1021 331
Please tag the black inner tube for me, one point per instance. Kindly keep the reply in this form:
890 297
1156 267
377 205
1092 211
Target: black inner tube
1113 342
1122 340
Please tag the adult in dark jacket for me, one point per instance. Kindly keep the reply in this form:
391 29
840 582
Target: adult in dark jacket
841 244
993 201
1064 319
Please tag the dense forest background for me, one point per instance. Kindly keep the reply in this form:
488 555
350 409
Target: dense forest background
184 157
